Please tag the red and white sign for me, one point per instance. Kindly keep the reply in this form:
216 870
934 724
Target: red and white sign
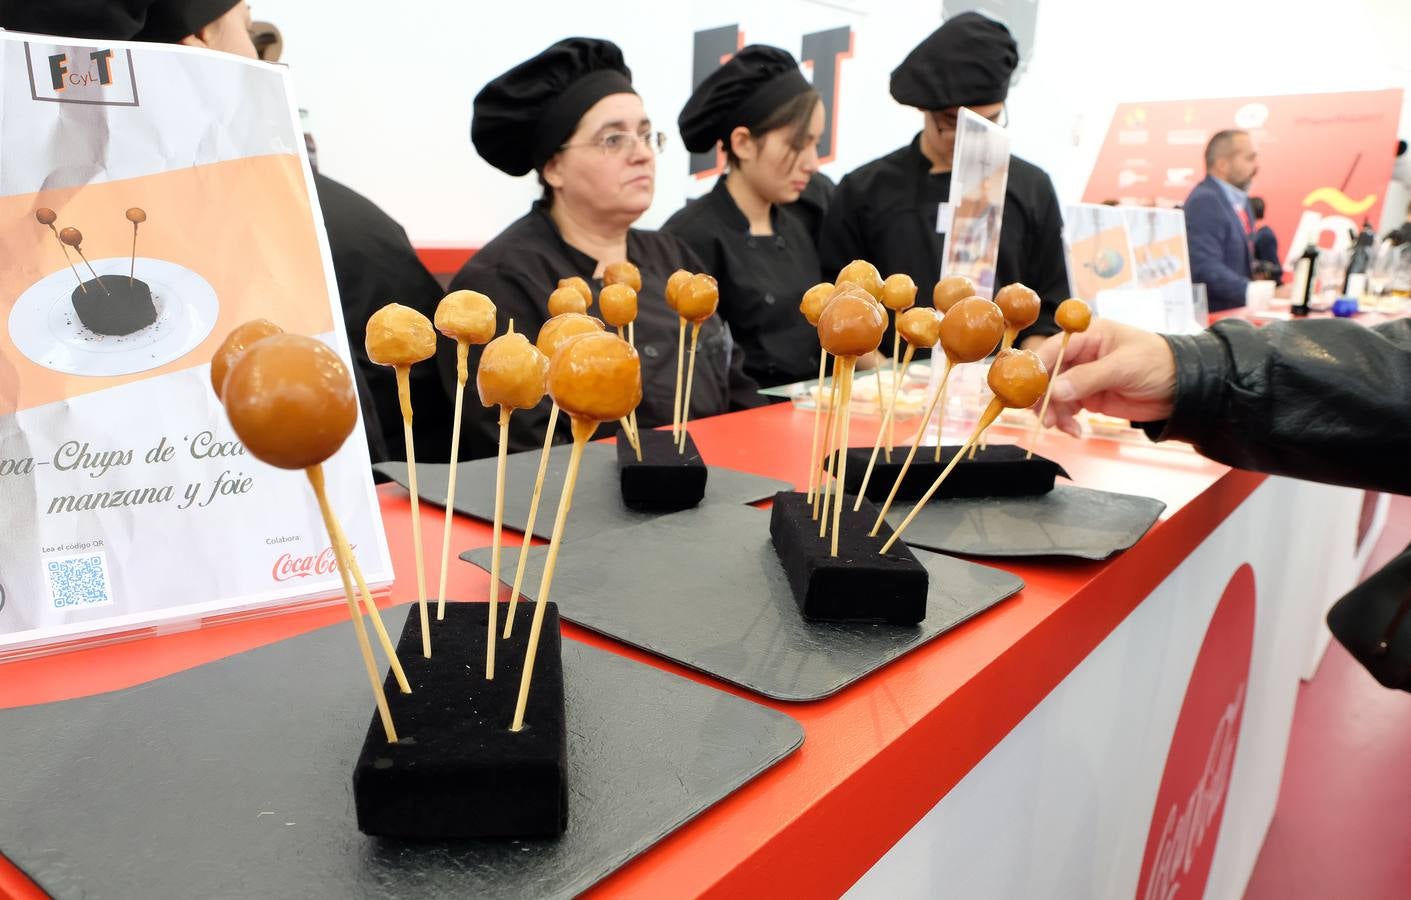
1191 800
1154 154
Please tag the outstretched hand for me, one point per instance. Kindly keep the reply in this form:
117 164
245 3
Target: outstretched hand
1111 369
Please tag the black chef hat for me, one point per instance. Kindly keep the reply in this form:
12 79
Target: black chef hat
965 62
159 21
524 116
746 91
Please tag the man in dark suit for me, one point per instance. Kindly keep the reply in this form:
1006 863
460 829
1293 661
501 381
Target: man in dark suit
1219 220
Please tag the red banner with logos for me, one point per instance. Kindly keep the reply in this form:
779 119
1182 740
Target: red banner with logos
1324 159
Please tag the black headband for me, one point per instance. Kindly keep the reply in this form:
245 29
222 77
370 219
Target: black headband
563 114
771 95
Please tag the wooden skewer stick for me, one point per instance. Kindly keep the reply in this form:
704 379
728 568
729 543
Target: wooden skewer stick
940 418
896 383
330 524
632 416
45 216
846 418
629 423
690 376
1043 409
462 376
813 463
533 512
831 451
383 638
626 424
1010 334
582 431
888 420
136 215
825 470
986 418
495 541
915 443
404 394
74 238
680 365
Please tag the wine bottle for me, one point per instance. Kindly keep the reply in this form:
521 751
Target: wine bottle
1303 280
1354 284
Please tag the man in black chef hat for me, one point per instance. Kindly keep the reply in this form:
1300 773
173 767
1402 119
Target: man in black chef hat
886 211
373 261
571 115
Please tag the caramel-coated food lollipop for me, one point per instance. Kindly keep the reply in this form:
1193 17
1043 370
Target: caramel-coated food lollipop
1073 316
950 290
136 215
595 377
235 344
567 299
849 327
920 326
898 295
578 284
623 272
1018 379
674 285
47 216
1020 306
863 274
552 335
290 400
513 374
400 337
811 306
829 468
618 304
968 333
695 303
466 317
74 238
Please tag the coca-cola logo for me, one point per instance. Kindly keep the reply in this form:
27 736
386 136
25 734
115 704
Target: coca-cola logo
1191 800
288 566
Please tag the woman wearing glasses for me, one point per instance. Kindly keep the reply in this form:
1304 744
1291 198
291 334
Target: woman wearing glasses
571 115
887 210
766 116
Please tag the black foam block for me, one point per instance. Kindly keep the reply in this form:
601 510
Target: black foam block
666 480
456 770
857 585
999 470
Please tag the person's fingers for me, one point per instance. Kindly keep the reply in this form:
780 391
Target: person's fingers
1085 379
1048 351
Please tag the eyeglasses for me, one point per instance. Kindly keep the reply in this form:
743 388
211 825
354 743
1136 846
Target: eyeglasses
951 117
622 143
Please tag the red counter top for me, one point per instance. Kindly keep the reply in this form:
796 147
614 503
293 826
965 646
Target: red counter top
876 756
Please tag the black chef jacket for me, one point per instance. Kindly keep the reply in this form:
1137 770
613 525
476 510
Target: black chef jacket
812 204
522 266
762 279
374 265
885 213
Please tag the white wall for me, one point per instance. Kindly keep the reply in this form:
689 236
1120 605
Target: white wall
389 86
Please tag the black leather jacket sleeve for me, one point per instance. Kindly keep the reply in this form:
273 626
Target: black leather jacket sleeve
1324 400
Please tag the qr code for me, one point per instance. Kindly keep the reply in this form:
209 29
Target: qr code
78 581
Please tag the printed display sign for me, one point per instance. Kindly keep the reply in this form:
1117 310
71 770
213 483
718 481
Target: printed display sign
151 198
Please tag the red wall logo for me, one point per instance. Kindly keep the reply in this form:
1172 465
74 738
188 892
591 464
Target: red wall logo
289 566
1191 800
